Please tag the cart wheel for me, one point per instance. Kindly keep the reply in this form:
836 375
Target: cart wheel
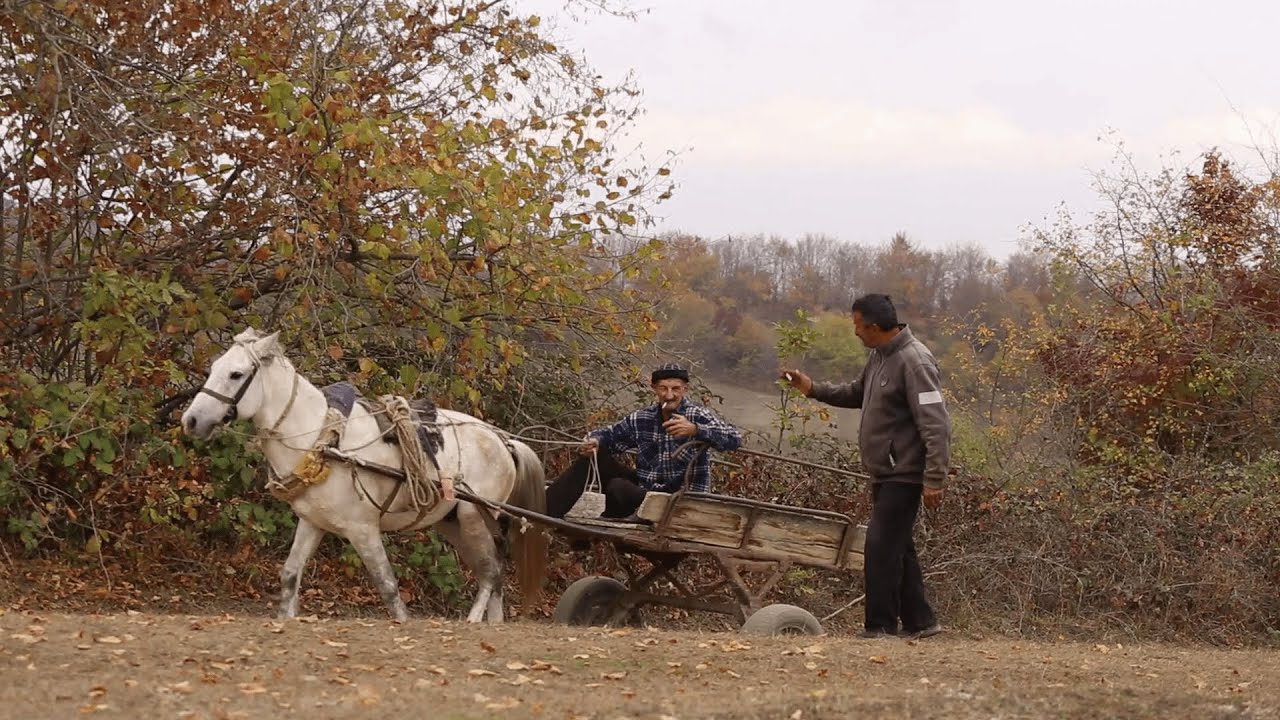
782 619
588 601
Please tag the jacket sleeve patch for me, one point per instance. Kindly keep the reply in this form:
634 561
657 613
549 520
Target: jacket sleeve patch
930 398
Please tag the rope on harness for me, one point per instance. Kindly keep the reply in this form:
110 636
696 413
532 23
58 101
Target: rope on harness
424 493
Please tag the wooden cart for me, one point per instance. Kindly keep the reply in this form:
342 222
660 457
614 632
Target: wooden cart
741 536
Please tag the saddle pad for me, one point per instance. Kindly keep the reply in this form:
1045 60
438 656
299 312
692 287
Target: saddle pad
343 396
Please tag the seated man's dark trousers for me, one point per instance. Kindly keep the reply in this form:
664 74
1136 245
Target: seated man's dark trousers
622 492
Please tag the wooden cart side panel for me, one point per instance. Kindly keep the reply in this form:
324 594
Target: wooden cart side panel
811 538
708 522
853 558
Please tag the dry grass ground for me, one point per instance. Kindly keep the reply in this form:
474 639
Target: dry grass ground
59 665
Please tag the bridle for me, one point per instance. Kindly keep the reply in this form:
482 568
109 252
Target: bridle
233 402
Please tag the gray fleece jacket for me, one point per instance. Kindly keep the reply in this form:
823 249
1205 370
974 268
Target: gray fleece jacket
904 434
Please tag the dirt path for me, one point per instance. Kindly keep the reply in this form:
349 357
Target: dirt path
173 666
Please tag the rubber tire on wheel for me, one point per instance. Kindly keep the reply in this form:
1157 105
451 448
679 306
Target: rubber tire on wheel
587 601
782 619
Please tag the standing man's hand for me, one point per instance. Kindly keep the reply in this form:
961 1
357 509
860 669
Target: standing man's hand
932 497
797 380
589 446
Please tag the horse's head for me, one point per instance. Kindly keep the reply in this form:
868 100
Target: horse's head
234 386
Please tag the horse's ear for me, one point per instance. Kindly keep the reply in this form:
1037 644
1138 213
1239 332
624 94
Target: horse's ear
249 334
267 346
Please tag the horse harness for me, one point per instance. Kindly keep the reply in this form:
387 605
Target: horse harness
410 424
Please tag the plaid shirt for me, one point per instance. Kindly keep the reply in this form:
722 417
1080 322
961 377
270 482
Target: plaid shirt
657 465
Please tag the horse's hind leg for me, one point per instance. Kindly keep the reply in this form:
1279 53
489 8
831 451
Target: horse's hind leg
306 538
469 534
368 543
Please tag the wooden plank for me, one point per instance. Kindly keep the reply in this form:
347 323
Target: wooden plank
708 522
809 540
853 558
654 504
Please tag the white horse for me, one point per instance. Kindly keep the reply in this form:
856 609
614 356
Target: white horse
253 379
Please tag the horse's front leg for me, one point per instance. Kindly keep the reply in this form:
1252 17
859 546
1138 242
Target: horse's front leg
306 538
368 543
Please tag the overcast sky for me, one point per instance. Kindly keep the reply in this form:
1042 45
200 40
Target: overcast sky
954 121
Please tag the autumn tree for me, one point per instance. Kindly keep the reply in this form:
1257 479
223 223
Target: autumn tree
1174 353
416 193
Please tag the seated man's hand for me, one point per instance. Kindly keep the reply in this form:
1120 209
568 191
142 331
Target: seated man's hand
589 446
680 426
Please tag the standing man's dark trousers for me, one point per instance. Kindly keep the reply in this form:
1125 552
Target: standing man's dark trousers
622 493
895 585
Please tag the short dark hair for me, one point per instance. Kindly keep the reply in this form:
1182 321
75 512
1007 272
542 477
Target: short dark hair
878 310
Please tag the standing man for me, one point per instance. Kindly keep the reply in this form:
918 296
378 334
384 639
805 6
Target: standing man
656 432
904 437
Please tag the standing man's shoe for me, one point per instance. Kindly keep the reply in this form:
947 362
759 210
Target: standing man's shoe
875 634
930 631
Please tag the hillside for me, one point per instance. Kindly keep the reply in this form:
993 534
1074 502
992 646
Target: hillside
755 410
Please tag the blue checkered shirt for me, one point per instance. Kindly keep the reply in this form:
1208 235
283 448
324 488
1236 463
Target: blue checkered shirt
658 466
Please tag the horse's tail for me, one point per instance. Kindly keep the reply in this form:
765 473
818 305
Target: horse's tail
528 541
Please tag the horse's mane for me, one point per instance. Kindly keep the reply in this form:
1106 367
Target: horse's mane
249 336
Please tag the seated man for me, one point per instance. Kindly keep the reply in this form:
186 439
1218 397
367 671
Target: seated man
656 432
